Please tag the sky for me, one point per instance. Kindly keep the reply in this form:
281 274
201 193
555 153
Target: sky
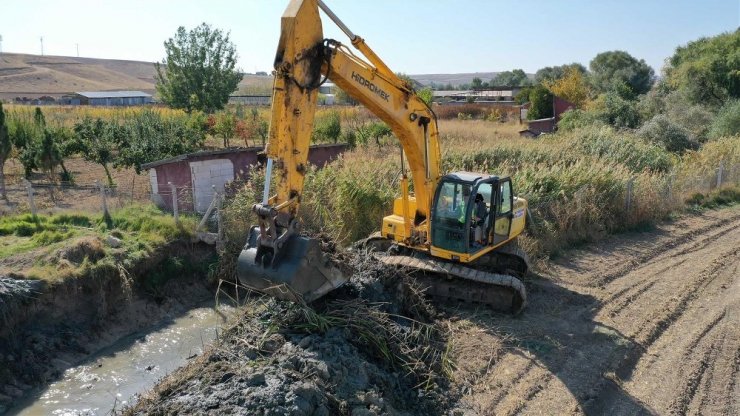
411 36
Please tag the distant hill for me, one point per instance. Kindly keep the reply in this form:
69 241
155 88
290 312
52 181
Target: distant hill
32 76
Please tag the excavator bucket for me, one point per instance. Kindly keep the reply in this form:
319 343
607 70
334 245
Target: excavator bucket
303 271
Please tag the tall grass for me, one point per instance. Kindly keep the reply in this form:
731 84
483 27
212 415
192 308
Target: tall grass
576 182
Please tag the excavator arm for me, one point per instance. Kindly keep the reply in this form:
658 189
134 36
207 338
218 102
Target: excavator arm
275 254
280 262
303 60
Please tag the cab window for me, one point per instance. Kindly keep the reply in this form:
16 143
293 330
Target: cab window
449 218
451 201
505 205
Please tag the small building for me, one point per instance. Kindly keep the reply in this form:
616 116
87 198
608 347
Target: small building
254 99
195 175
495 95
543 125
107 98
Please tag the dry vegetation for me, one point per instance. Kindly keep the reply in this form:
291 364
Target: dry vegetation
576 182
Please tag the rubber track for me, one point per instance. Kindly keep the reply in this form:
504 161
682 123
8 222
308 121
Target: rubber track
462 272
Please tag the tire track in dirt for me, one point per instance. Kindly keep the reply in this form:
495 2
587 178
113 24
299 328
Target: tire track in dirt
715 382
639 324
697 242
682 401
690 294
690 345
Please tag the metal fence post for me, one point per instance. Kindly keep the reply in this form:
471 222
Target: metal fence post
628 200
720 171
102 197
29 189
175 211
219 206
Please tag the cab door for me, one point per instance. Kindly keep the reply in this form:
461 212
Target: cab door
504 205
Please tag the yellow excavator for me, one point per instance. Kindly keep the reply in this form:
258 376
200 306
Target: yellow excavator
455 231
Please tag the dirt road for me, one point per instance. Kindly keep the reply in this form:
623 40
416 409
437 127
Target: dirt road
644 323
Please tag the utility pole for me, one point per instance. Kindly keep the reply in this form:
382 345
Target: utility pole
78 49
1 43
42 46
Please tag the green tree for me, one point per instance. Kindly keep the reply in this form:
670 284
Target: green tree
554 73
327 128
147 136
48 158
96 142
571 86
727 121
618 111
708 69
38 118
406 79
661 130
66 142
25 136
515 78
5 148
619 67
540 106
342 97
522 96
226 127
426 94
476 84
199 70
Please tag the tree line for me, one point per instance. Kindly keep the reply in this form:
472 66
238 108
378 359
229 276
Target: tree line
125 142
696 98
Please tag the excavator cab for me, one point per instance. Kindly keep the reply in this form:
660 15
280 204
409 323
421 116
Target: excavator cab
470 212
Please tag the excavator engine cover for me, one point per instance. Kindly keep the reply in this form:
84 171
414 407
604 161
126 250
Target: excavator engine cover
303 272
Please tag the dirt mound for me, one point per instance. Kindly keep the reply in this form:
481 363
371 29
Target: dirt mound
90 248
14 292
367 349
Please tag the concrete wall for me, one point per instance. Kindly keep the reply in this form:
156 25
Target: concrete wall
545 125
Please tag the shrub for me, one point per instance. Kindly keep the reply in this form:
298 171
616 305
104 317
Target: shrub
725 196
327 128
727 121
373 131
47 237
540 103
78 220
619 112
661 130
623 148
574 119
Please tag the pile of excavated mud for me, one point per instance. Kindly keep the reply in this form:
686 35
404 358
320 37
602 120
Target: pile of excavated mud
369 348
15 292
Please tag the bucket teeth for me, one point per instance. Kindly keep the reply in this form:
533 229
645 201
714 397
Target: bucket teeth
302 273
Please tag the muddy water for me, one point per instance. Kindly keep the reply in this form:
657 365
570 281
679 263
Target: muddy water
132 365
